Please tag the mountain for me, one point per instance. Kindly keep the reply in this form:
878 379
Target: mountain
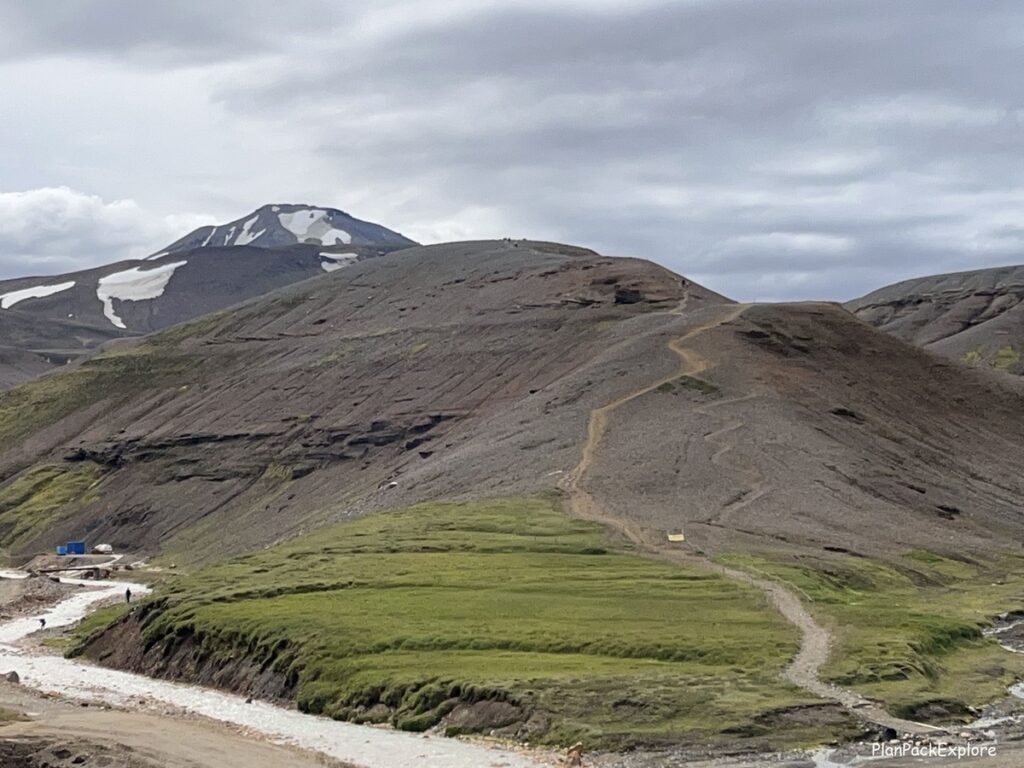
208 270
276 226
607 499
331 385
470 369
976 317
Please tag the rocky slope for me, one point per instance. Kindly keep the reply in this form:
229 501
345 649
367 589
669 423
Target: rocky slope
471 370
308 404
976 317
46 321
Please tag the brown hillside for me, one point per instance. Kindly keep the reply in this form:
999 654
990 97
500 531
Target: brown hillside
473 369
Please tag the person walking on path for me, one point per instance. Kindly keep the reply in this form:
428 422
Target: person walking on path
128 595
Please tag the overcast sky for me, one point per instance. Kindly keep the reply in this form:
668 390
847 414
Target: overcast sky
771 149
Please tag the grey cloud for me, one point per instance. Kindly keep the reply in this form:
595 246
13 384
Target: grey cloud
713 91
159 33
51 230
738 141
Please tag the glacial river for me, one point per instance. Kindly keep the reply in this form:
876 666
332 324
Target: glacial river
358 744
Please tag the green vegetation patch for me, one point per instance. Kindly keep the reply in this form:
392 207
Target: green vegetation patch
689 383
10 716
974 356
114 375
1006 359
36 498
193 329
909 631
99 619
408 615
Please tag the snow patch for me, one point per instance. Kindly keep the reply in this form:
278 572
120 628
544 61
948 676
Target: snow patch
229 235
299 222
254 237
337 260
156 256
8 300
246 236
335 237
133 285
314 224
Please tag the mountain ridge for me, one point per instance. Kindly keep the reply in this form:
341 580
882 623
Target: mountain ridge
195 275
975 316
283 224
735 441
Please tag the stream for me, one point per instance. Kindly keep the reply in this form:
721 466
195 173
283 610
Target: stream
831 758
358 744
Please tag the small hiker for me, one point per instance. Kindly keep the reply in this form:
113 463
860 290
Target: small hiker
42 623
128 595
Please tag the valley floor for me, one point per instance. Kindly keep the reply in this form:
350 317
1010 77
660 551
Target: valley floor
139 732
51 730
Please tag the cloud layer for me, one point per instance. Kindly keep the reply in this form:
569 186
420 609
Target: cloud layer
57 229
773 149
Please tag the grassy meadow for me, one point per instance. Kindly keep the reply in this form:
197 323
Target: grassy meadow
401 616
39 495
909 631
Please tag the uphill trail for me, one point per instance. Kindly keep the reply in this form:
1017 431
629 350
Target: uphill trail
815 639
757 484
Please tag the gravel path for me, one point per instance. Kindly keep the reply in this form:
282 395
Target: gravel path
815 640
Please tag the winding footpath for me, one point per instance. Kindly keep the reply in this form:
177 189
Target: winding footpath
815 640
355 744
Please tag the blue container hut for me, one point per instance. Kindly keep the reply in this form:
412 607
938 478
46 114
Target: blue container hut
76 547
62 549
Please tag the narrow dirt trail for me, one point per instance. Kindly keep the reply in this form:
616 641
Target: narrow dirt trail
725 440
815 640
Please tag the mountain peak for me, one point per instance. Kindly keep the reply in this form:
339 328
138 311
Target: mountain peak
281 224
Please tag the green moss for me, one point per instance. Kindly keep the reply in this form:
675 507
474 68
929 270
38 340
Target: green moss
974 356
114 375
39 495
95 622
909 631
691 383
1006 359
10 716
504 599
277 473
194 329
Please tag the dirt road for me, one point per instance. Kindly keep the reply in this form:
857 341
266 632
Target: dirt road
815 640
